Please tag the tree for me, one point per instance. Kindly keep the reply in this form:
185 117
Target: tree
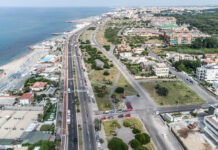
117 144
143 138
126 124
119 90
106 73
134 143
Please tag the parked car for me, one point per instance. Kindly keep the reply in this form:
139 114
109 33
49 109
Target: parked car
120 116
110 117
106 112
195 124
129 106
112 111
128 115
190 126
75 140
123 96
138 95
125 110
103 118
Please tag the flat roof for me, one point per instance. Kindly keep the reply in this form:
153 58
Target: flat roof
14 123
212 119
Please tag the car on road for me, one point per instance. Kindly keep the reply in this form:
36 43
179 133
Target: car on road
103 118
138 95
127 115
75 140
120 116
123 96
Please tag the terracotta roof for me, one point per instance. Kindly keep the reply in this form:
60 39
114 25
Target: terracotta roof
27 96
39 85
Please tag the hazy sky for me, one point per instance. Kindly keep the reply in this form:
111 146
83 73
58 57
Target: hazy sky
60 3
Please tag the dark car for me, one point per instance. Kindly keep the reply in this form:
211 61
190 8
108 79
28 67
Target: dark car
138 95
120 116
75 140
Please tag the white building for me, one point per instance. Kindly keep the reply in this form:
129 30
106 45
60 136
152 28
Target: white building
211 126
207 73
125 55
138 50
161 70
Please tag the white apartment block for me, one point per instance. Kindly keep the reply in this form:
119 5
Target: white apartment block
125 55
211 126
207 73
161 70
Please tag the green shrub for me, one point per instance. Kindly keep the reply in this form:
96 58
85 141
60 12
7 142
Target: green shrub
126 124
143 138
117 144
140 147
136 131
119 90
134 143
106 73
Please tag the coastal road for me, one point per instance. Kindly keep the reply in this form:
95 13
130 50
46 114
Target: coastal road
89 141
150 120
72 127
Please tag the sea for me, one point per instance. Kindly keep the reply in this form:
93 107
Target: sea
23 27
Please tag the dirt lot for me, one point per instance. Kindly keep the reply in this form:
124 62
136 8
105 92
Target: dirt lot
192 138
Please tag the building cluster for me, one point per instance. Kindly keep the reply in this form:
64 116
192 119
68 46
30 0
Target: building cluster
138 55
19 119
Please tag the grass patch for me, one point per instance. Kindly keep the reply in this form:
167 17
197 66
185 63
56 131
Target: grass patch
134 123
80 140
110 127
179 93
50 111
128 89
100 37
86 35
104 103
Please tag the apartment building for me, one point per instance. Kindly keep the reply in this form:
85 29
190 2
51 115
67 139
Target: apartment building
183 37
161 21
147 32
211 127
207 73
161 70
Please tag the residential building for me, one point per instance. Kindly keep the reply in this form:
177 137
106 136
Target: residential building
207 73
148 32
123 48
138 59
138 50
38 86
161 70
99 63
7 100
182 38
26 98
210 59
211 127
178 56
161 21
125 55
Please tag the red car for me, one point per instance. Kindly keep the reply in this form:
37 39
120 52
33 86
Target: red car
129 106
190 126
127 115
103 118
123 96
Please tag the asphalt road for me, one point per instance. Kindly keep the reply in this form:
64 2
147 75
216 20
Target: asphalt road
149 119
89 140
72 127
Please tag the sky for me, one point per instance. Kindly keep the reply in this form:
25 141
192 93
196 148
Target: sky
99 3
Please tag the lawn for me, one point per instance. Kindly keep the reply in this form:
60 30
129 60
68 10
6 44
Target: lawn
129 90
110 127
179 93
100 37
104 103
135 123
86 35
